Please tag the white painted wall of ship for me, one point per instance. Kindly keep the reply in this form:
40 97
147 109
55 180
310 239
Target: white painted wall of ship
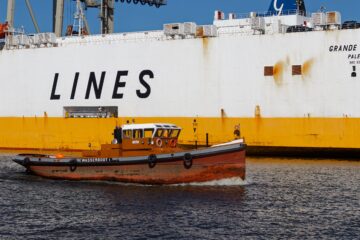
192 77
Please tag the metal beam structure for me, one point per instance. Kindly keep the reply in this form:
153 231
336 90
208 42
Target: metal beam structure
32 16
106 12
107 16
87 27
58 17
10 12
156 3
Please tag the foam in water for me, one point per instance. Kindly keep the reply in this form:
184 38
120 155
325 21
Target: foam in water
235 181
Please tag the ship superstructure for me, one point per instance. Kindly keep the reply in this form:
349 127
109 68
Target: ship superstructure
281 79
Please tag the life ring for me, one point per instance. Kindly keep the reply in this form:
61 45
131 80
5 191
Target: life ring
73 165
173 143
188 160
158 142
152 160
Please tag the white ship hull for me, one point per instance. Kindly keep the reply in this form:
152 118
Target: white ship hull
208 86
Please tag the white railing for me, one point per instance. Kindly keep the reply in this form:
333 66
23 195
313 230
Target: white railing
15 40
270 14
114 37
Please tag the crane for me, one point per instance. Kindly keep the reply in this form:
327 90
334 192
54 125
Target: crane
106 8
11 13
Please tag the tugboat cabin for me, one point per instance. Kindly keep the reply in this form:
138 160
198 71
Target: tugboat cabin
139 139
160 135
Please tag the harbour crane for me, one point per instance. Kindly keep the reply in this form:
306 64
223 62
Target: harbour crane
106 8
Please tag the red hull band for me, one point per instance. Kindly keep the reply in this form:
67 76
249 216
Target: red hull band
226 165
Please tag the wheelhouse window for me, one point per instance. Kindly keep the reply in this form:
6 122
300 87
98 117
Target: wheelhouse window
159 132
174 133
127 134
166 133
148 133
137 133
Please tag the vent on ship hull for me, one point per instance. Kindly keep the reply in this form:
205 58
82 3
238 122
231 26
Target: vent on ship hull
91 112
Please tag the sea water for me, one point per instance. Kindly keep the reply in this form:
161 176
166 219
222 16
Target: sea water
281 198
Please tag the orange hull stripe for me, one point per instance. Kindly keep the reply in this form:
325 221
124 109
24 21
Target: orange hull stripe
75 134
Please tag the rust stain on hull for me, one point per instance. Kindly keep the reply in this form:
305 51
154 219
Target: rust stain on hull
205 44
279 72
307 67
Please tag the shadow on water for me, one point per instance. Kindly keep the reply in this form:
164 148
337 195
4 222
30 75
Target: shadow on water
304 153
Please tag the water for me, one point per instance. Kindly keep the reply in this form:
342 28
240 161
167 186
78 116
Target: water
280 199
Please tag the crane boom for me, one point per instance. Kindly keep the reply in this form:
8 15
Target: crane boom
58 16
106 12
10 12
32 16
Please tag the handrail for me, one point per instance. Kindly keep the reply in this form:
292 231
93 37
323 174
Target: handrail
271 14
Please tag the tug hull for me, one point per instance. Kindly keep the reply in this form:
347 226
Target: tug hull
201 165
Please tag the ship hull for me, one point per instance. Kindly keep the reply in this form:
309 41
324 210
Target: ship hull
186 167
61 134
208 86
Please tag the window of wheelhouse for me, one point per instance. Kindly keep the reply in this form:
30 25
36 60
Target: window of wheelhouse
148 132
137 133
174 133
127 134
166 133
159 132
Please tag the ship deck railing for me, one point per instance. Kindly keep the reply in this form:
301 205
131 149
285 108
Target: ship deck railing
114 37
270 14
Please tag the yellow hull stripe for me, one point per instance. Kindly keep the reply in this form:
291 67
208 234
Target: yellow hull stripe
76 133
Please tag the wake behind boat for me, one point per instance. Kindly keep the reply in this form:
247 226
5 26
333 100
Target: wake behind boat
144 153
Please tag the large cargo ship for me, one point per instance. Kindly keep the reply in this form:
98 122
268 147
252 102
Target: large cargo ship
285 79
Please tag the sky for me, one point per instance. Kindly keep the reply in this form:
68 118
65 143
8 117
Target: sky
130 17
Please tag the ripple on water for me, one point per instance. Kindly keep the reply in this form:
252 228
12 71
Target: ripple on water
283 199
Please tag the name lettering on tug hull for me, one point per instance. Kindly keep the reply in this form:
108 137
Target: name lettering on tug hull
96 85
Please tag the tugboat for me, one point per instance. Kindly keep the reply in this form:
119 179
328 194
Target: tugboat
146 154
